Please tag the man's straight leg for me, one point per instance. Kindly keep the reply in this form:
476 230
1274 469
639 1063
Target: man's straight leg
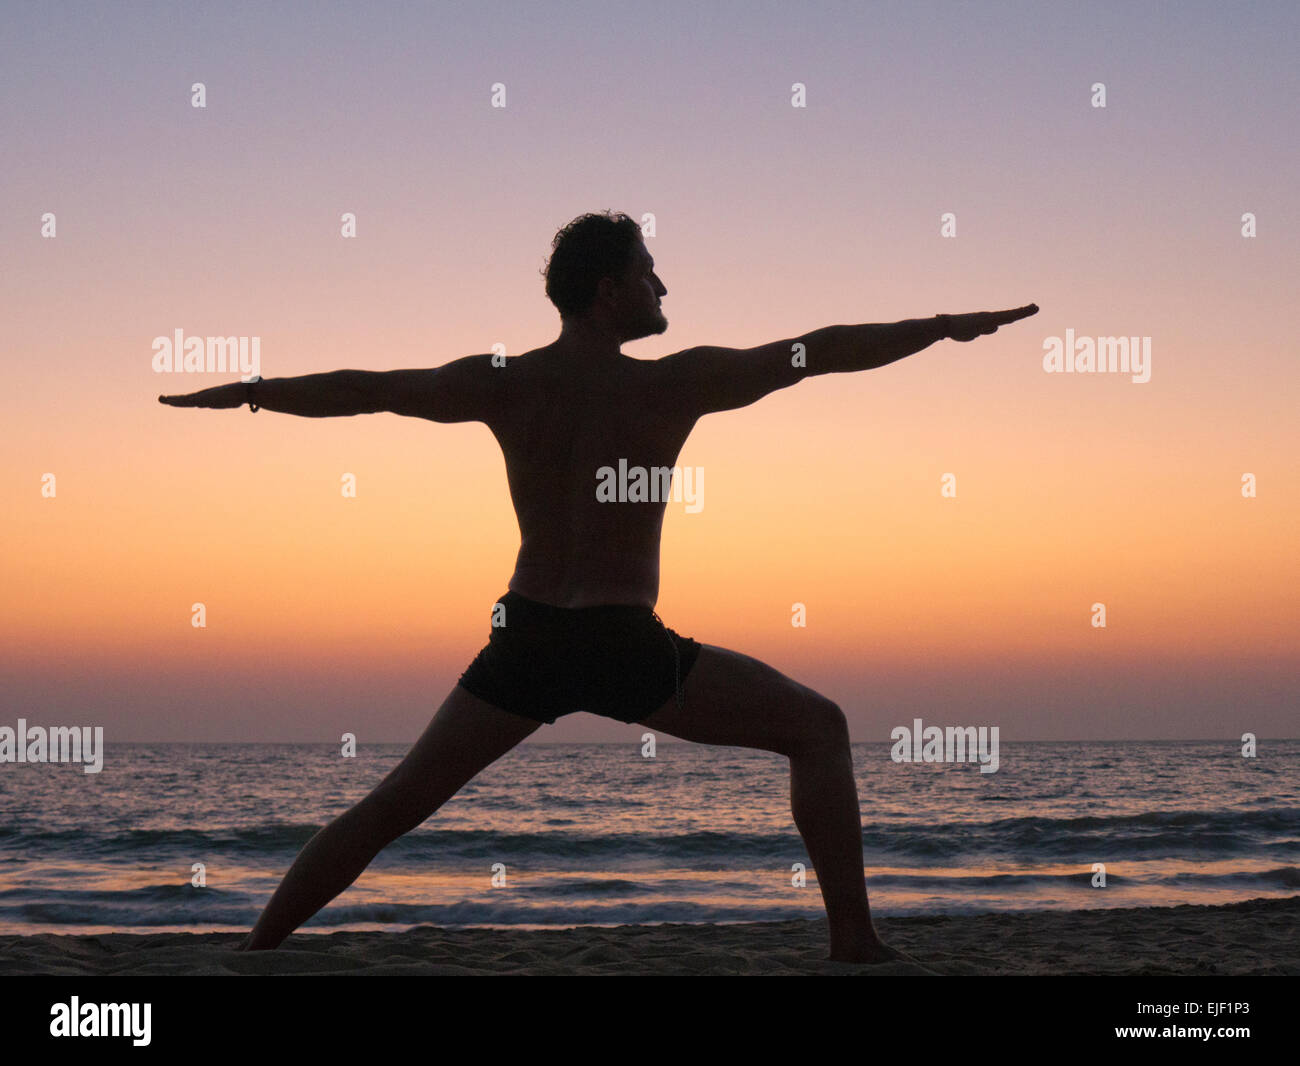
733 699
466 735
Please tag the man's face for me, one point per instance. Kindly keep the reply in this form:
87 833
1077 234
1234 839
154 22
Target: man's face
641 291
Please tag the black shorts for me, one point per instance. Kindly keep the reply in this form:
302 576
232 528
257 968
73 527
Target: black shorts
616 660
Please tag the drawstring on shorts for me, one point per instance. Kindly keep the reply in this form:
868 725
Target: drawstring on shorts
677 663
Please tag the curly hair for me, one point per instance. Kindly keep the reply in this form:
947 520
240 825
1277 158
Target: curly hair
591 247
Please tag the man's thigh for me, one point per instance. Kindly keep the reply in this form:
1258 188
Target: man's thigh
734 699
466 735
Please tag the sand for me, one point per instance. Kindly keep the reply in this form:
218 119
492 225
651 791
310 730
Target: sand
1255 937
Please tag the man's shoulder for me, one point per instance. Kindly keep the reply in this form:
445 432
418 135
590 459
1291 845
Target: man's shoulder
674 360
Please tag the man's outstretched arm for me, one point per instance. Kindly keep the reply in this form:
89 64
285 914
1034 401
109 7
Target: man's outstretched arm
464 390
722 379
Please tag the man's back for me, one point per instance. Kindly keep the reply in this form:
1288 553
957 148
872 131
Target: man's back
559 418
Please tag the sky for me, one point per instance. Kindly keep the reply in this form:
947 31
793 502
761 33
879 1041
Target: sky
326 614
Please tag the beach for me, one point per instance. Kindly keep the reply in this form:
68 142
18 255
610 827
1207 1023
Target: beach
1253 937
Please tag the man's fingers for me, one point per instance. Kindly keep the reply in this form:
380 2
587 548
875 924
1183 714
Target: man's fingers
991 320
1016 314
220 396
982 323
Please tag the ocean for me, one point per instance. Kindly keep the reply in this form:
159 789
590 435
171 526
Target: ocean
596 834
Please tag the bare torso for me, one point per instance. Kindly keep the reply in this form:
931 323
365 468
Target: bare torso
564 419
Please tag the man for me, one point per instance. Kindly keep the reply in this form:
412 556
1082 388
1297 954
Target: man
580 632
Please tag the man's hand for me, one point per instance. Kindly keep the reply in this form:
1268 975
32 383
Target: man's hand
217 396
968 327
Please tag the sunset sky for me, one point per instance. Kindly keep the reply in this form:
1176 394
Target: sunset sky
327 614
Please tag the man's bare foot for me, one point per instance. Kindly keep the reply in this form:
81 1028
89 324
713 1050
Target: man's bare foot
874 954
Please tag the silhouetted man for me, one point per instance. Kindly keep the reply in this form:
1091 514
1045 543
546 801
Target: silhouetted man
580 629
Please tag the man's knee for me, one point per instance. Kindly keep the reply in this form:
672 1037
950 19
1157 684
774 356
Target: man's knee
822 725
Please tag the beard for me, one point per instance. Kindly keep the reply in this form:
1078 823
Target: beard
650 325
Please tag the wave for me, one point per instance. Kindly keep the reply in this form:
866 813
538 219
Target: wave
584 901
1154 834
240 913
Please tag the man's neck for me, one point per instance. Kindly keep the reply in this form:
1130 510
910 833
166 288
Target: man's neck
588 341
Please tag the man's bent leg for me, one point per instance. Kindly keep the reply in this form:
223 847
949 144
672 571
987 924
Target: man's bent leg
466 735
736 700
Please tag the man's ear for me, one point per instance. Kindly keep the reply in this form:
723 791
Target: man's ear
607 290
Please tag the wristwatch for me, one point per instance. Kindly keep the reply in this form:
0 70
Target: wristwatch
248 393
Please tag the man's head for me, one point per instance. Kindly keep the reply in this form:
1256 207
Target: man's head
600 270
